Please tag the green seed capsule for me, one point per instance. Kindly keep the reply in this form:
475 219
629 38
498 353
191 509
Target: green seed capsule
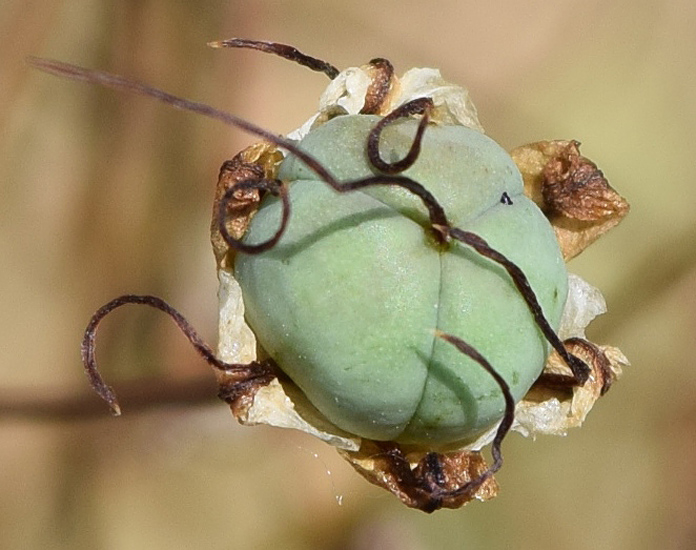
348 301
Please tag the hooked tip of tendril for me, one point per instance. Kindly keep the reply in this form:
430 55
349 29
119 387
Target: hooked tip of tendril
216 44
108 395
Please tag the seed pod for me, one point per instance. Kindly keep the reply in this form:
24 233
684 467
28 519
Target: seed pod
337 139
347 303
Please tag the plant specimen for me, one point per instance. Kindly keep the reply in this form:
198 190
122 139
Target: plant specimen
404 276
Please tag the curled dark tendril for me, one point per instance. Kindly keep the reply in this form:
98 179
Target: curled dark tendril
283 50
427 484
274 187
505 423
88 344
418 106
508 417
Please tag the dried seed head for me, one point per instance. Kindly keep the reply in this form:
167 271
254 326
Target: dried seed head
558 179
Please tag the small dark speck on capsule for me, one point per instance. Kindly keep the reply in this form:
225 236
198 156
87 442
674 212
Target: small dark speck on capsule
505 199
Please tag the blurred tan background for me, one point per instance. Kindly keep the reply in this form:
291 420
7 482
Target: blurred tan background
103 194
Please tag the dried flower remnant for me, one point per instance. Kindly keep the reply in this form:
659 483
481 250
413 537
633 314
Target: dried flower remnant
554 404
256 162
447 471
414 476
571 191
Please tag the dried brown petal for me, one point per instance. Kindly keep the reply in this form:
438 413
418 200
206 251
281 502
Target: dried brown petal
378 464
571 191
553 406
255 162
238 388
381 74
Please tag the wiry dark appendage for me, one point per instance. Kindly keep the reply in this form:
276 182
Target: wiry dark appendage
282 50
88 345
416 107
274 187
508 416
580 370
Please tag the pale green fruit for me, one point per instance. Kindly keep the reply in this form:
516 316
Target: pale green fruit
348 302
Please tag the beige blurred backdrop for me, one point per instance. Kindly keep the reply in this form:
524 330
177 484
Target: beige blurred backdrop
103 194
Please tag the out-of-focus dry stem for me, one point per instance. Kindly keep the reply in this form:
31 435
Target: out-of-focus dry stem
138 396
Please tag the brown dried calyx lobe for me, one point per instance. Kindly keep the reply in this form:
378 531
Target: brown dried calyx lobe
381 73
571 191
258 161
407 475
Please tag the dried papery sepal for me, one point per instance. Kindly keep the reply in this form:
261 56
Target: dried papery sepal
552 409
347 92
571 191
401 474
260 161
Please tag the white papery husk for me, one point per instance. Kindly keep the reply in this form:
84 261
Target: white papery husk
347 92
